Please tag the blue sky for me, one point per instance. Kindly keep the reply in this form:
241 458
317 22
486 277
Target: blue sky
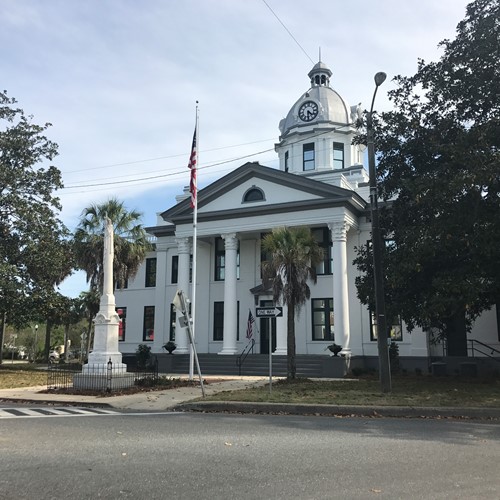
119 79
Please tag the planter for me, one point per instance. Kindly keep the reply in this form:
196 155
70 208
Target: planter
335 349
170 347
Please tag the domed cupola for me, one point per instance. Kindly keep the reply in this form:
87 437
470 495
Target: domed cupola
319 105
320 75
317 134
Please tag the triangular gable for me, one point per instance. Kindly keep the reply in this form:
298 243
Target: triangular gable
280 188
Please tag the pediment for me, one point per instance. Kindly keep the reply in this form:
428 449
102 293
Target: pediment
280 190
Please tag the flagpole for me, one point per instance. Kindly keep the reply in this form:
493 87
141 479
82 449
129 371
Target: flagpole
195 239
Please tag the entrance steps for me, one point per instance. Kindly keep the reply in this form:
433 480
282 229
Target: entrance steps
254 365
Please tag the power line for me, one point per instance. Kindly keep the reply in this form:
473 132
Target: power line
165 175
288 31
133 162
181 171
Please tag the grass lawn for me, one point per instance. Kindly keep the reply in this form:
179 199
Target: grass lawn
20 375
407 391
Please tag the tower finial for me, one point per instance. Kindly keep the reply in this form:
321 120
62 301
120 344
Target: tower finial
320 54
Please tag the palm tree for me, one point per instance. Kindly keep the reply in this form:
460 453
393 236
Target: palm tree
130 242
293 254
91 302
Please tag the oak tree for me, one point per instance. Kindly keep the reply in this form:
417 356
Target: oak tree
439 172
35 254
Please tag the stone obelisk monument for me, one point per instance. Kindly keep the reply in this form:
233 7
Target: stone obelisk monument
106 321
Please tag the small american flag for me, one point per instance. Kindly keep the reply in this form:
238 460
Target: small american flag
192 167
250 322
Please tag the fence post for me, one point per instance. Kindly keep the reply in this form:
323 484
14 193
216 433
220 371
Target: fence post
109 375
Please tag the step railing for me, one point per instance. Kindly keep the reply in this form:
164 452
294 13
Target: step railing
484 349
246 351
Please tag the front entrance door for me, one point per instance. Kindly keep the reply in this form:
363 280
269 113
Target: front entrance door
267 326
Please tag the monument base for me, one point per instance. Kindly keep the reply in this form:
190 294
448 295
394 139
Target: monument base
104 371
103 382
98 358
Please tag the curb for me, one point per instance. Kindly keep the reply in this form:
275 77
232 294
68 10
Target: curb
332 410
52 402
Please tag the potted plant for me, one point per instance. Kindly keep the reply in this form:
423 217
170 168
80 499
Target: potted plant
334 348
170 346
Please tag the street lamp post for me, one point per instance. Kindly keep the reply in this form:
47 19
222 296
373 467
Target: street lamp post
378 274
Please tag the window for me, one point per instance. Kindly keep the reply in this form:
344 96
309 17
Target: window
220 260
150 272
253 194
308 156
122 284
396 328
173 319
219 321
323 237
122 326
148 330
175 269
174 275
287 159
338 155
264 257
322 319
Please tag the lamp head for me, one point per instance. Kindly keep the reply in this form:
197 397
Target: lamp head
380 78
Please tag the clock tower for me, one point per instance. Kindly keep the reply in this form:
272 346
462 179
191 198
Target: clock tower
316 135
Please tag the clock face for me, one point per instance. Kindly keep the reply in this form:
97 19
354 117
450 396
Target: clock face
308 111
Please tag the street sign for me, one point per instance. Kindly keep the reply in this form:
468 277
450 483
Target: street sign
269 312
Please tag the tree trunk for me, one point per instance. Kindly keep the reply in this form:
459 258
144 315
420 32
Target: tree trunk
89 340
290 342
66 347
456 334
3 321
498 319
46 351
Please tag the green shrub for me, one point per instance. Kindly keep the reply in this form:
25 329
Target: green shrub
143 356
394 357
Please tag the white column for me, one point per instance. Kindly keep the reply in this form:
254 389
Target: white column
184 251
340 294
230 300
281 334
162 302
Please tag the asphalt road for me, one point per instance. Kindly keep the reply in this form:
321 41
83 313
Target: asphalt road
216 456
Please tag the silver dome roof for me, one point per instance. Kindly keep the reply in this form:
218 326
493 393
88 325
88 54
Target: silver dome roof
332 107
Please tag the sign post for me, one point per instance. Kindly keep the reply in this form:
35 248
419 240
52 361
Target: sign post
180 303
270 313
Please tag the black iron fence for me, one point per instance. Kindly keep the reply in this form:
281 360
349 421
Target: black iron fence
107 377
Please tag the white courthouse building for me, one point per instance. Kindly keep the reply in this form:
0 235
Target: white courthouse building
322 184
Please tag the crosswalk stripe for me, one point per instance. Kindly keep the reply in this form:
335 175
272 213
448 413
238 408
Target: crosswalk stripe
53 412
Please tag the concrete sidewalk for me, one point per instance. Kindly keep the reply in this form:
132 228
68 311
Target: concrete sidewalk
143 401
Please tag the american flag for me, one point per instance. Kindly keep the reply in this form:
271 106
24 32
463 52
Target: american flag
192 167
250 323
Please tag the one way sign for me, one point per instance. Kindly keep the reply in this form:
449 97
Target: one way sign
269 312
